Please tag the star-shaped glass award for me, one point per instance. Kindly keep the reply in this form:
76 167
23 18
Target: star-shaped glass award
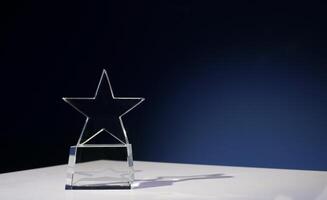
102 157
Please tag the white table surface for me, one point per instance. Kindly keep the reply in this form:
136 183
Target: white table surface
174 181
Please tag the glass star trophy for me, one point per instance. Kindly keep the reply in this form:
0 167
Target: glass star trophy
102 157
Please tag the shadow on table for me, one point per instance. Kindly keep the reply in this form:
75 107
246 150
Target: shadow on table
170 180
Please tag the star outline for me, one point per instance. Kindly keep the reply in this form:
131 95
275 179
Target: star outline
104 74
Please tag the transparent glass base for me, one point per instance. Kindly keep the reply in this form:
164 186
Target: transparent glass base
96 166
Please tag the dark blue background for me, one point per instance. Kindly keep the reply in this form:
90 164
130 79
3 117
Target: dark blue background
230 84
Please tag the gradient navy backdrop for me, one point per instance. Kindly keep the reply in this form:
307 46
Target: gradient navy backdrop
231 84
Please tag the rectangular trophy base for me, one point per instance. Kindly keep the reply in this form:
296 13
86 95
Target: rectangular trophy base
100 187
100 167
